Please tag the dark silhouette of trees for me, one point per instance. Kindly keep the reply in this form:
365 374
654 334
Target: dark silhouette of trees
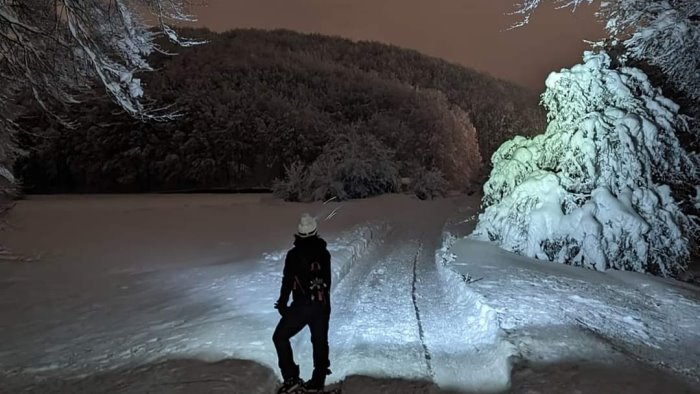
256 103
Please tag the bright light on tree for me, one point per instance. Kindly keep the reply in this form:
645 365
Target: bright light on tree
596 189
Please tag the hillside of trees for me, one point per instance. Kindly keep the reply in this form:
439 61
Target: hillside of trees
308 115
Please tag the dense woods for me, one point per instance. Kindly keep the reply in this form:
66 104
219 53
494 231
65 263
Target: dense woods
311 115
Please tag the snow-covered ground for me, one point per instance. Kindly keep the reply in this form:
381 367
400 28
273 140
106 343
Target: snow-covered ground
151 294
578 330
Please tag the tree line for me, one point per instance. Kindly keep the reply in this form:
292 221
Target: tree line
256 104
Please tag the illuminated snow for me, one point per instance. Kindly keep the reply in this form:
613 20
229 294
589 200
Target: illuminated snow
126 311
558 316
593 190
398 314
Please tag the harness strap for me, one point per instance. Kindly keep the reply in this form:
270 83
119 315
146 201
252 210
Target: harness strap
297 282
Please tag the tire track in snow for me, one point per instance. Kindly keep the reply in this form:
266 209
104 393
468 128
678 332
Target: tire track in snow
373 330
399 314
421 331
466 344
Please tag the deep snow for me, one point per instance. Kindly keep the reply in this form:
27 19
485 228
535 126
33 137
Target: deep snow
579 330
600 187
123 283
174 294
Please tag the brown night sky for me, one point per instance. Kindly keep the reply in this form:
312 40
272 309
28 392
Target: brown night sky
470 32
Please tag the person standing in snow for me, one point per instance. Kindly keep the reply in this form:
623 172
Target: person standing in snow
307 276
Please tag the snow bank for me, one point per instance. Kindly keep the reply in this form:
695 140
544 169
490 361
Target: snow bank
485 354
595 190
557 314
351 245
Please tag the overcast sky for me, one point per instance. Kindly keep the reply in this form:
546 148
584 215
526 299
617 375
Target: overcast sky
470 32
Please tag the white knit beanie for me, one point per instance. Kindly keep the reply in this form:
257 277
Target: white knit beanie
307 226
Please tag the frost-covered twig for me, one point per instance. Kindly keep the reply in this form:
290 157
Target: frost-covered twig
59 49
664 33
527 7
468 279
332 214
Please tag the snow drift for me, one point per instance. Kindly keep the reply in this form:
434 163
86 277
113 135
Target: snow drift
597 188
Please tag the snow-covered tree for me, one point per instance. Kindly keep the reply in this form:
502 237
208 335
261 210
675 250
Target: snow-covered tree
596 189
662 33
606 186
59 48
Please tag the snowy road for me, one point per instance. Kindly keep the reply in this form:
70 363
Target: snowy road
168 300
374 326
396 320
395 316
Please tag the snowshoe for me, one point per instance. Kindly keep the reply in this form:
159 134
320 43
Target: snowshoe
314 391
292 386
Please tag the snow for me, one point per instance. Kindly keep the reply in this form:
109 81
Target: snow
149 294
576 329
595 189
5 173
141 286
665 34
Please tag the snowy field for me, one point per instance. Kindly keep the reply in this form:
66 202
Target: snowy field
163 294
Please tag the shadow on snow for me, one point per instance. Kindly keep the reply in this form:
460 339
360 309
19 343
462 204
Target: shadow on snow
184 376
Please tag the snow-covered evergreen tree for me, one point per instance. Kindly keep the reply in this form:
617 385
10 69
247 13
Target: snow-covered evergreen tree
596 189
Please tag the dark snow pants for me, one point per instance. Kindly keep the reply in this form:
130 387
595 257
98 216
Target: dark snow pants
295 318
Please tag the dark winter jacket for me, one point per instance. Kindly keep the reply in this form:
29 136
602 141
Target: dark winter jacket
296 272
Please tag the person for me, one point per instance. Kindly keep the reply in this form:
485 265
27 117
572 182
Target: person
307 276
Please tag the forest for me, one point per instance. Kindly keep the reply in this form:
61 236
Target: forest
308 116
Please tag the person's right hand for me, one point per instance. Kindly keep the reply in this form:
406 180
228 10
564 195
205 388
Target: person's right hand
281 307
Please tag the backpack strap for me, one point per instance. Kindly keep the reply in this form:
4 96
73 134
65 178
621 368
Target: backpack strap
298 282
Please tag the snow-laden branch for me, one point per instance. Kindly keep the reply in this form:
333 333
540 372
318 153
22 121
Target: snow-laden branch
527 7
595 190
662 33
58 49
665 34
61 47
